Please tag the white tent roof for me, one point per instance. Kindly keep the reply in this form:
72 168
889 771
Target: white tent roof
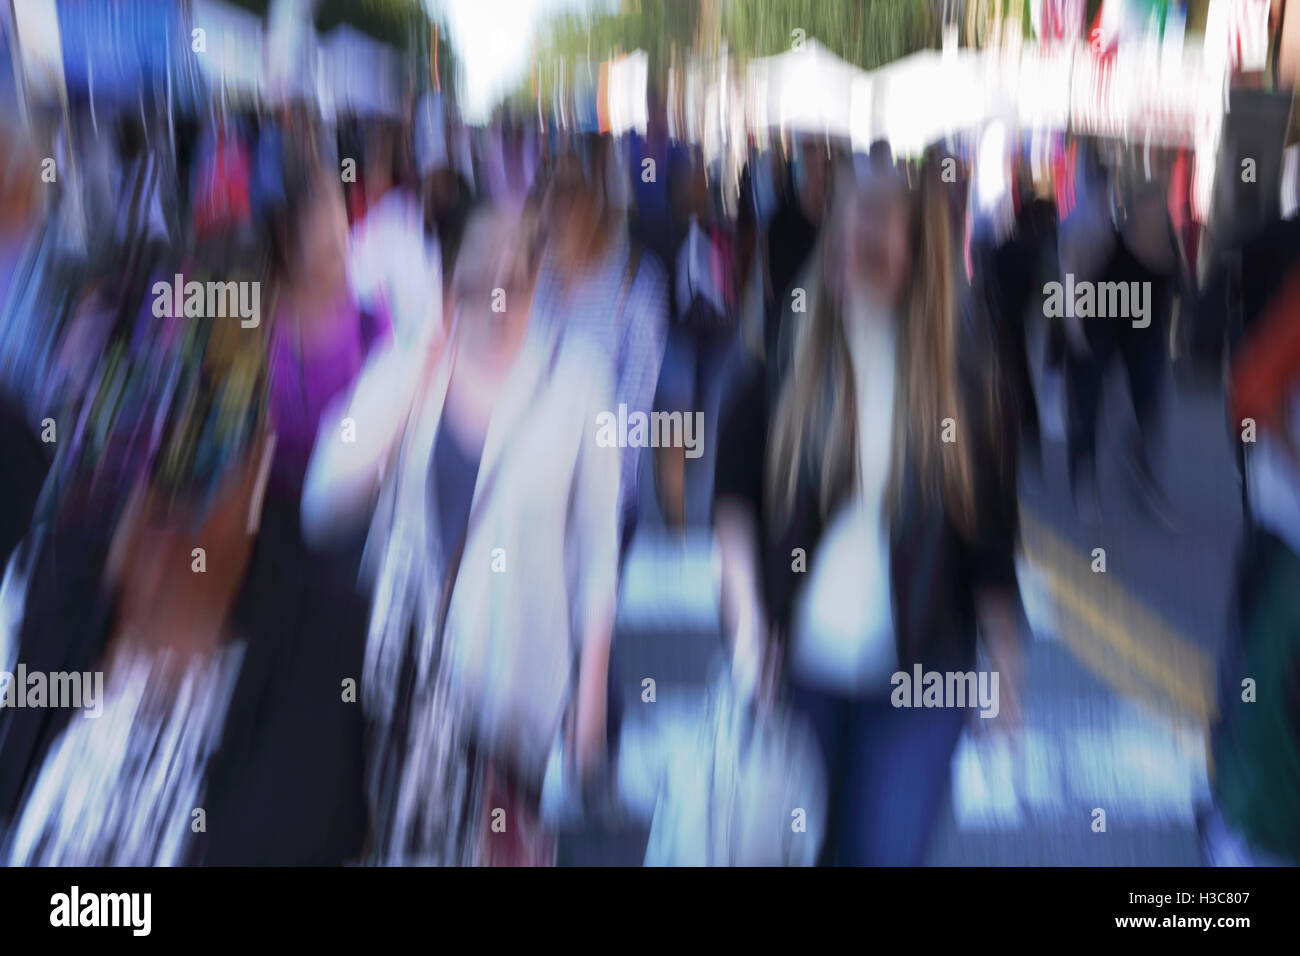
626 92
809 90
360 73
912 102
235 56
922 98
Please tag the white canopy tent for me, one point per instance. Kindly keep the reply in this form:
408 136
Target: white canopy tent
809 90
1161 93
235 58
912 102
628 79
359 74
921 99
291 51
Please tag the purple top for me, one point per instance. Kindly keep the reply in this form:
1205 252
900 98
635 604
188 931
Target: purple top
303 385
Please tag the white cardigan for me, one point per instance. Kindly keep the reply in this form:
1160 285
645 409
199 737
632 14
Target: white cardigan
552 508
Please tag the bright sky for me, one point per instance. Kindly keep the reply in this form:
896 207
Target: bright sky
494 40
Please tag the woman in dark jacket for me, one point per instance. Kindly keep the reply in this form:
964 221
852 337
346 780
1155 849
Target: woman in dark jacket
866 513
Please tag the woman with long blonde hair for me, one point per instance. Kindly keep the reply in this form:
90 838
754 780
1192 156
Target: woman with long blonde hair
865 508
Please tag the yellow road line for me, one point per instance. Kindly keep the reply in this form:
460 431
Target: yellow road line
1103 608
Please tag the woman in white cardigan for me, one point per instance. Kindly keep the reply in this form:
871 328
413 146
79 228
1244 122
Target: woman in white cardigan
492 554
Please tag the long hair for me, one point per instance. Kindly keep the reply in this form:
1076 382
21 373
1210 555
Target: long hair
814 425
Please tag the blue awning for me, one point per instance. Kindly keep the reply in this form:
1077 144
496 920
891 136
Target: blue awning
112 49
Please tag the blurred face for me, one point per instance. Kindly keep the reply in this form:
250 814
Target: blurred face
571 210
440 192
690 193
322 237
491 292
875 238
811 178
379 166
699 191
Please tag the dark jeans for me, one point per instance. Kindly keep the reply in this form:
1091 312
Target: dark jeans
1142 352
886 769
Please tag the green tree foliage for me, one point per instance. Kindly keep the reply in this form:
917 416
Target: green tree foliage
657 26
866 33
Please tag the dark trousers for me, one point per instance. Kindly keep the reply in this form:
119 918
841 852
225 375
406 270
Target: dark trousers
1142 352
887 770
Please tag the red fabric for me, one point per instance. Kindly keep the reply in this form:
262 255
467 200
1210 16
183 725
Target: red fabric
1181 211
1267 365
222 199
1063 167
356 203
525 841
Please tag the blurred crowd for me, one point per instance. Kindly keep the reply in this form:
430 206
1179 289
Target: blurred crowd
351 566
